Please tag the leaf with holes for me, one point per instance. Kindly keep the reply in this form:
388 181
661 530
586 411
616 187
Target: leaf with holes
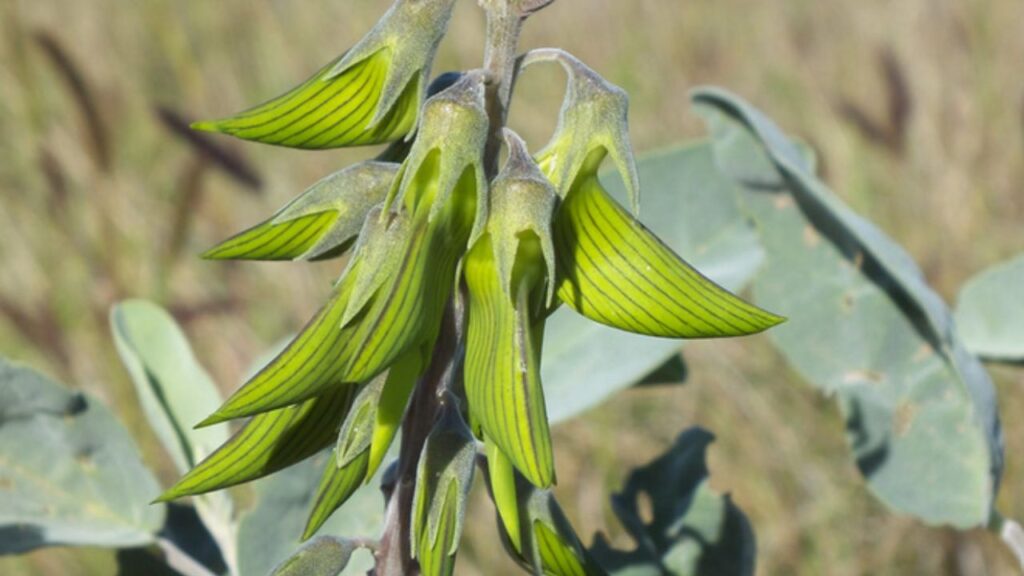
69 472
864 325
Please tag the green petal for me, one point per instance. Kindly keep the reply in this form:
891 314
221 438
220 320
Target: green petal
503 491
270 241
502 371
268 443
329 111
312 363
616 272
336 486
557 557
406 310
320 223
394 398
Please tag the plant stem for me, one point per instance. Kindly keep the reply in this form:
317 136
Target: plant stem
394 558
504 24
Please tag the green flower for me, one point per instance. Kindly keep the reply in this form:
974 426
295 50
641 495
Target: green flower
369 95
611 269
510 272
443 480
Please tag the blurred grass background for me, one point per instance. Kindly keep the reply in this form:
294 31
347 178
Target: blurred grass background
915 107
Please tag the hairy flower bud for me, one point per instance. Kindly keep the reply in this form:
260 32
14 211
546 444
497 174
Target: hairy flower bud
443 480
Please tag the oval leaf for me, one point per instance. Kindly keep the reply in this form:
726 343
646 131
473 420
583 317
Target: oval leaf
921 411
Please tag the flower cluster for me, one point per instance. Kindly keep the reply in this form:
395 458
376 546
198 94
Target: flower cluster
424 224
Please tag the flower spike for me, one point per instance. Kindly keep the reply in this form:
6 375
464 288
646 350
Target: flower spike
370 95
509 273
321 223
593 123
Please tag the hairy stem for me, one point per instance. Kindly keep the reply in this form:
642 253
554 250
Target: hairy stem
504 24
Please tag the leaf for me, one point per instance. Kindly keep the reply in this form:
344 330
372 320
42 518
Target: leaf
690 205
693 532
990 312
325 556
175 393
284 500
174 390
920 411
69 472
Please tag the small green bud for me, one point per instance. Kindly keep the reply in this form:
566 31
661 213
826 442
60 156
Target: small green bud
443 480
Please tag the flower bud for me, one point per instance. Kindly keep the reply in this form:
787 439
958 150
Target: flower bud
443 480
370 95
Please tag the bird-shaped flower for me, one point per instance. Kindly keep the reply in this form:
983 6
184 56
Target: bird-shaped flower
369 95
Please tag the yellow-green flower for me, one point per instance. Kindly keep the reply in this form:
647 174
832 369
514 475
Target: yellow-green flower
369 95
510 274
611 269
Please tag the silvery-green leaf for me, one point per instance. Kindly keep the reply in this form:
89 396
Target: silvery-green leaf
69 472
284 500
175 392
990 312
920 410
325 556
693 532
690 205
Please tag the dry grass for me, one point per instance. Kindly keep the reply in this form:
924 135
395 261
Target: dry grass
91 181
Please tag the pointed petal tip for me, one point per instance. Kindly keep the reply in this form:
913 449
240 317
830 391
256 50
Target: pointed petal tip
205 126
216 418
